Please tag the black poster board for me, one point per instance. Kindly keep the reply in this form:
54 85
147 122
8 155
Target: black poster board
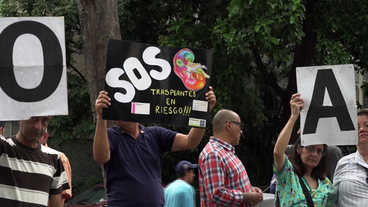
157 84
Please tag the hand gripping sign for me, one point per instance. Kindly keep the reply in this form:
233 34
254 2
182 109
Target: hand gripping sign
152 84
32 67
330 112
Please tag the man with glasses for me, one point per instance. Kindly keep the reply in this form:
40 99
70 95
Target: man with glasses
223 179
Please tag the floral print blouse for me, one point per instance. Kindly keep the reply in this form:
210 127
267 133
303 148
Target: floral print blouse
290 191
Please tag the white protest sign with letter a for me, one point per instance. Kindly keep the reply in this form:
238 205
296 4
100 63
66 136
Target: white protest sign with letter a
330 112
32 67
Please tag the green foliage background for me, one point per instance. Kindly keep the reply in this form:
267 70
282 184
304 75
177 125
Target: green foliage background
256 46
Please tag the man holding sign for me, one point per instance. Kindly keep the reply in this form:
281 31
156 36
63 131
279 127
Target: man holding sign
31 174
131 155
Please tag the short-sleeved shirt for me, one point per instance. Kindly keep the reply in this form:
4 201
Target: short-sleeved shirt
350 181
29 175
222 176
133 173
66 194
179 194
290 191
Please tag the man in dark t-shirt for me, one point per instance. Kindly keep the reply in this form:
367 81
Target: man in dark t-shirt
131 155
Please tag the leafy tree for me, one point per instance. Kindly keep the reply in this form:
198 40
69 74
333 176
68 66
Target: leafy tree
256 46
296 33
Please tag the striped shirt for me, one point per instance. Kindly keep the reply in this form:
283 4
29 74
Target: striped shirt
29 175
222 176
350 181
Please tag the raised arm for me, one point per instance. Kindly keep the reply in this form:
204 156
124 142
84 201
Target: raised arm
296 104
195 135
101 147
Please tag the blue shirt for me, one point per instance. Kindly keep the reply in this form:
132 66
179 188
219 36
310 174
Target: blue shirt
179 194
133 173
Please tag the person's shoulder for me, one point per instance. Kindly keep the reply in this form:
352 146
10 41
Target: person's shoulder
327 183
63 157
333 149
114 129
154 129
179 185
49 150
211 154
3 139
347 158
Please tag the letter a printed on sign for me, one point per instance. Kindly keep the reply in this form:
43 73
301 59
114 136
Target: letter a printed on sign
32 67
330 113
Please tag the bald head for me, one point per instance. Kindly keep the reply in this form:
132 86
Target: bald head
221 117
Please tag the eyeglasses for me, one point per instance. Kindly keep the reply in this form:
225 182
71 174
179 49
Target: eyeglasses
312 150
237 123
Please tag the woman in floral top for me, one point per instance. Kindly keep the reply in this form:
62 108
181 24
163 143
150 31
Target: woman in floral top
306 162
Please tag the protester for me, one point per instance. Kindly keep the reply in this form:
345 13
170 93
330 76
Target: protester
67 193
351 174
131 155
180 193
305 169
2 128
334 155
223 180
31 174
274 180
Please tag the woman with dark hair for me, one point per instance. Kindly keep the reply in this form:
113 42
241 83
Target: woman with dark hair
351 174
301 180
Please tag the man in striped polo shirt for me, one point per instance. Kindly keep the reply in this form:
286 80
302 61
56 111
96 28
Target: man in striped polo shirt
31 174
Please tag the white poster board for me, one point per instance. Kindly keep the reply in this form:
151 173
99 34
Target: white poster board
330 112
32 67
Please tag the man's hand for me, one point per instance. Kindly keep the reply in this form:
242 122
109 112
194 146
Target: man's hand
102 101
211 97
254 197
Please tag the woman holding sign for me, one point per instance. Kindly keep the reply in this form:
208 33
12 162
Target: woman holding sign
301 180
351 174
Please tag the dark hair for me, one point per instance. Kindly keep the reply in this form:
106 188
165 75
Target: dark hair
363 112
181 174
319 172
2 123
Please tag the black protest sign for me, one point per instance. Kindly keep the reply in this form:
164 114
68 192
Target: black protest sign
157 84
329 113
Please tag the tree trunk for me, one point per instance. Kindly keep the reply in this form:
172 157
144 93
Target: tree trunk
99 21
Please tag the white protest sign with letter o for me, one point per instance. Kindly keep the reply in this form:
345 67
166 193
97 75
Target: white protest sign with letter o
32 67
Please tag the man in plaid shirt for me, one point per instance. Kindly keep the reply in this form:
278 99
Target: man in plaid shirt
223 179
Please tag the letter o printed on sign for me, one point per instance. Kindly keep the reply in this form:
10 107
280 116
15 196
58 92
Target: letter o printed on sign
52 55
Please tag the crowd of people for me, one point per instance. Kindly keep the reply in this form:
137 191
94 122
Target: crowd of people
319 175
131 157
